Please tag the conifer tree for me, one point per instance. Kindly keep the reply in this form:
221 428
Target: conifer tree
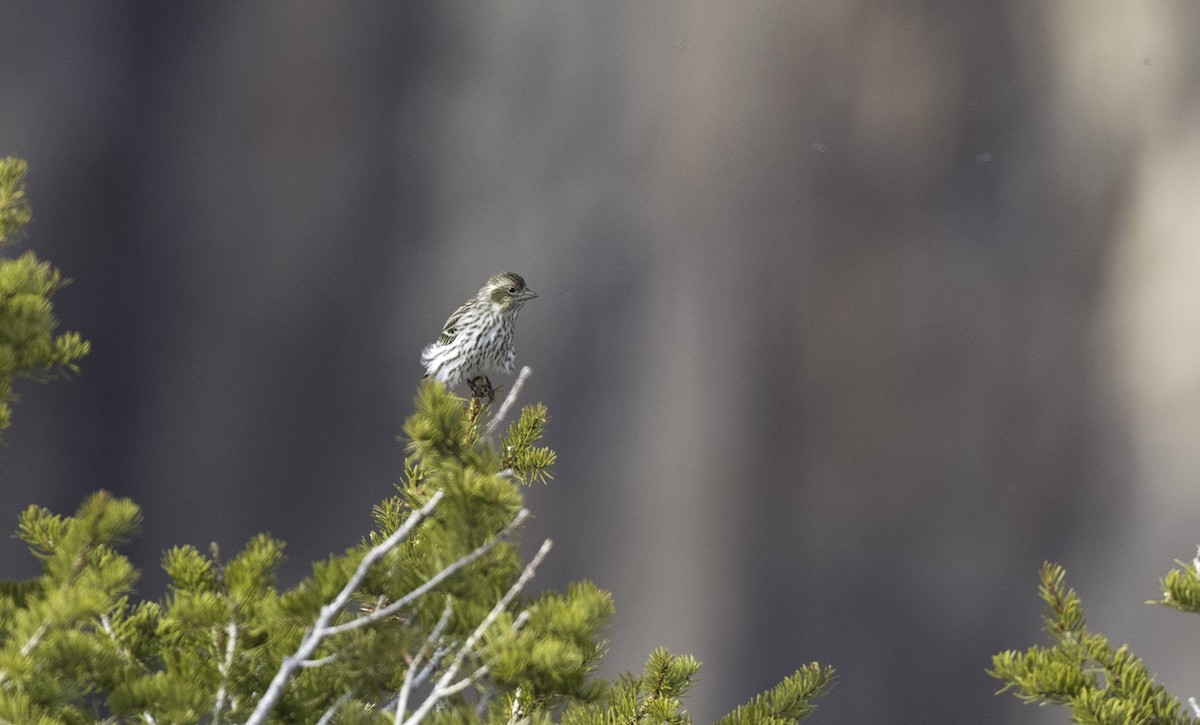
429 618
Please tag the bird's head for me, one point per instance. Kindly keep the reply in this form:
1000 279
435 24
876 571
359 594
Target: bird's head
508 291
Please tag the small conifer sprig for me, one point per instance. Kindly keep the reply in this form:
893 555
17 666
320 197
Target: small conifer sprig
1081 670
528 462
14 207
656 696
1181 586
29 347
787 702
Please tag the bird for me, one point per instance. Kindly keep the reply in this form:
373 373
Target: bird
477 339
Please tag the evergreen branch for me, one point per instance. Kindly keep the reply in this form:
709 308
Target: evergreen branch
1081 671
508 401
321 629
433 581
788 701
14 207
444 687
1181 586
526 461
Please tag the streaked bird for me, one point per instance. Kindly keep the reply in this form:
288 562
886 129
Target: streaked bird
477 339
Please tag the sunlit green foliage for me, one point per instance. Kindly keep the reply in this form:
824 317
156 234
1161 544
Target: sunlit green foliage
527 461
1081 670
1181 587
29 347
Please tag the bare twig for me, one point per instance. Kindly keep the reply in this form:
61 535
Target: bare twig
319 662
34 639
321 629
224 668
430 666
465 682
445 685
508 401
427 647
433 581
327 717
521 619
517 713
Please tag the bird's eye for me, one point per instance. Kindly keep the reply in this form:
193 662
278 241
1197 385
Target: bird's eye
512 290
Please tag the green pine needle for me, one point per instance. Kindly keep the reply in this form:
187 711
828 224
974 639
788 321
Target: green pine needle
1082 671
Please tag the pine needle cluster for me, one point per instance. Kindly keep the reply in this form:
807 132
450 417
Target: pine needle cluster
1081 670
1181 587
656 696
29 347
529 463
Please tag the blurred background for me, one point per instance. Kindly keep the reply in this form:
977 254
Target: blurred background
851 313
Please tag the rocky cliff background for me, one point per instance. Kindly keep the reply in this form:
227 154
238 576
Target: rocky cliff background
851 313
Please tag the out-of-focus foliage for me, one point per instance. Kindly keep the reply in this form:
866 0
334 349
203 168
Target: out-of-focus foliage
29 347
1081 670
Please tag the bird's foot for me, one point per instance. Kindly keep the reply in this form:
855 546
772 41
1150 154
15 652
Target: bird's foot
481 387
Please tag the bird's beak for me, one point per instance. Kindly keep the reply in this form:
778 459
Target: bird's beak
527 295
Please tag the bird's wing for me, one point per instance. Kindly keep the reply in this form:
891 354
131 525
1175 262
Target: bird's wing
450 329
